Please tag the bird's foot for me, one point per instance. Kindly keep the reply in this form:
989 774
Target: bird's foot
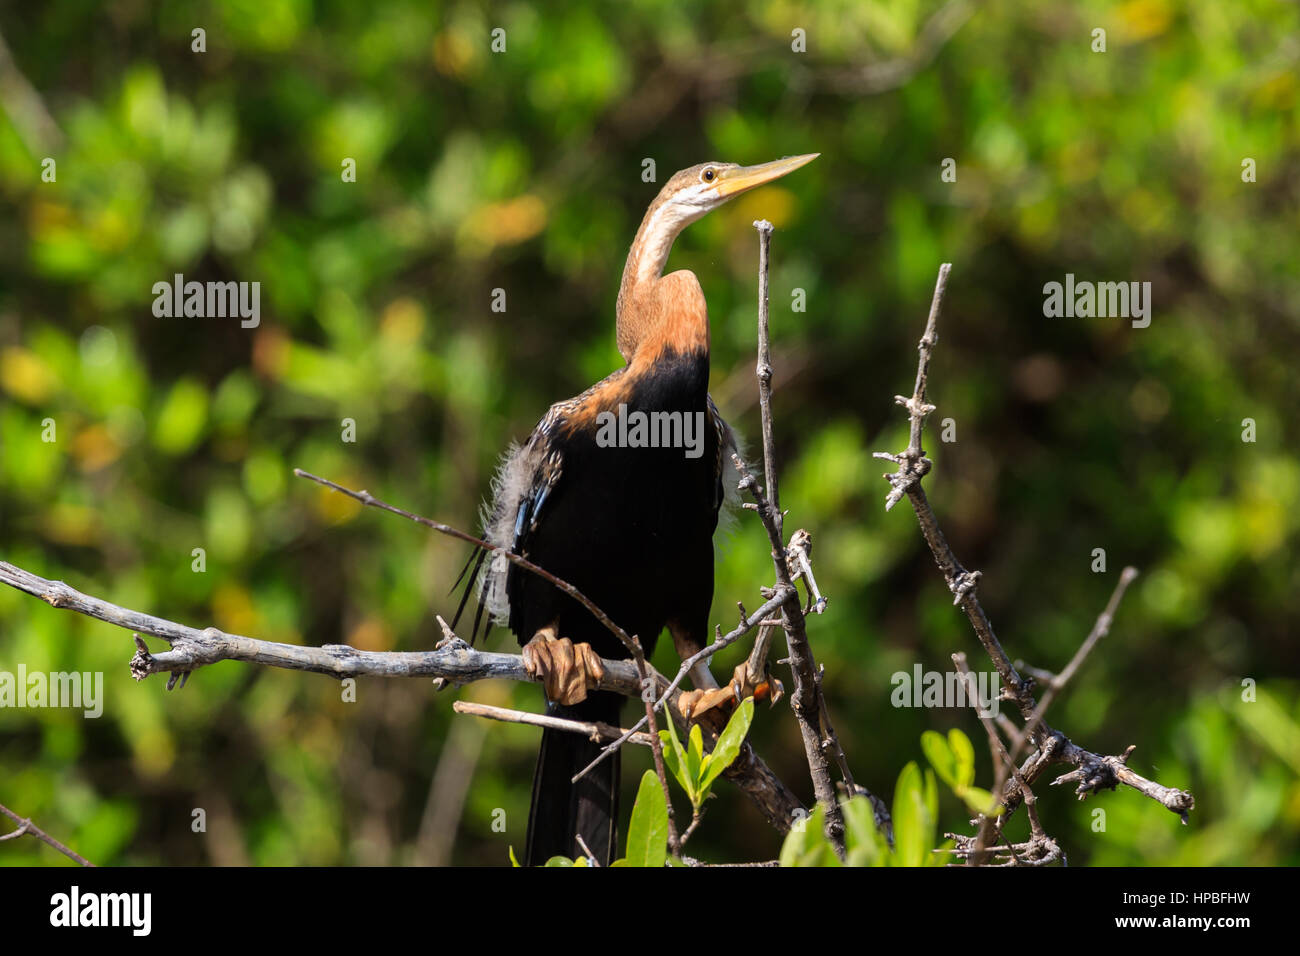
567 670
694 704
758 686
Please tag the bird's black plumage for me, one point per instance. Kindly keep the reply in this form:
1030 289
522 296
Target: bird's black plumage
631 528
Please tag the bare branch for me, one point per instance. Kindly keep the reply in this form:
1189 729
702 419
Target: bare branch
656 747
25 107
453 661
806 698
1093 772
669 692
27 828
1055 684
366 498
1040 848
594 731
191 648
890 74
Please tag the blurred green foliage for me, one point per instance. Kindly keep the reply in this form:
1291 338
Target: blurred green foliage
522 171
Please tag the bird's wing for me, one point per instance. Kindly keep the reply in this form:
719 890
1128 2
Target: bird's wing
727 446
529 474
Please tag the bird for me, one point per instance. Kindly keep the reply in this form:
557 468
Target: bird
616 491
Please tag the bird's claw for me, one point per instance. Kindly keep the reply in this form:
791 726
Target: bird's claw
760 687
693 704
566 670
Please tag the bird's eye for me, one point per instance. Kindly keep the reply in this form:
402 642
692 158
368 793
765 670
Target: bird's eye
708 175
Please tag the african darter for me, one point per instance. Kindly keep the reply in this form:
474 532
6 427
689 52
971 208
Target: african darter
630 525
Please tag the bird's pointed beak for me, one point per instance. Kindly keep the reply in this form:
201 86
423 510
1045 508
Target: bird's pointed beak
733 182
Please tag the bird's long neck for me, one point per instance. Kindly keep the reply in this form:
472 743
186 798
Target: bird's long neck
648 315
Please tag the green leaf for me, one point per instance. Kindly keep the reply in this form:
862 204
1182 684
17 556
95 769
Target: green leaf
695 754
942 855
865 844
965 756
675 759
980 801
180 421
647 833
513 862
806 843
931 795
729 743
558 861
916 801
941 757
931 819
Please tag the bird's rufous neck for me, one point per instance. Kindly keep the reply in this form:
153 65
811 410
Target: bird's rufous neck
649 310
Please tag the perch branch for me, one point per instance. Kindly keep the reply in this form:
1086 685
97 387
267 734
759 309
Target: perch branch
745 626
453 661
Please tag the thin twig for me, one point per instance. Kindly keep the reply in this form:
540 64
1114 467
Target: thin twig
763 371
669 691
1055 684
696 818
889 74
27 828
806 697
594 730
591 857
656 747
366 498
1041 848
25 107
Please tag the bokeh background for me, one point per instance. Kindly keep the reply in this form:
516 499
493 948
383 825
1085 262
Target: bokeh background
522 171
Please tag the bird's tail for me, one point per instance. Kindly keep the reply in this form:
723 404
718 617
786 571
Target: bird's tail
560 809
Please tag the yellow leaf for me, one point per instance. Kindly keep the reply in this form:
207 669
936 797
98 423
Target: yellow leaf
403 321
504 223
94 448
72 524
25 376
453 53
1143 19
337 508
233 610
371 634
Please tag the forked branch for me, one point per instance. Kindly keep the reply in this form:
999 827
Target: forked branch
1093 772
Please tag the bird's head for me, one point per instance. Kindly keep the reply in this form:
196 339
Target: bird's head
686 197
691 193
